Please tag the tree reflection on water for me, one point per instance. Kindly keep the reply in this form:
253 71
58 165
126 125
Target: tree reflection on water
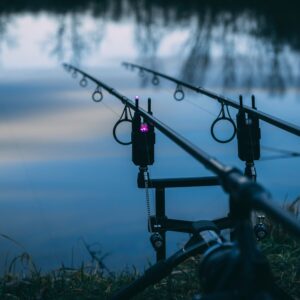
253 40
70 36
5 38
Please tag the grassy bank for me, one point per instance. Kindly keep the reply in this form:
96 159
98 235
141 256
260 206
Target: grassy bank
94 281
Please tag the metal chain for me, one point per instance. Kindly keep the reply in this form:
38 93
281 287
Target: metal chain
146 180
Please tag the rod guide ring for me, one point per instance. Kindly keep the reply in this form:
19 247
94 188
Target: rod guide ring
155 80
83 82
212 130
115 132
97 96
179 93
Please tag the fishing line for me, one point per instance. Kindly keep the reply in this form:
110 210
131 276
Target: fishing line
201 107
111 109
97 96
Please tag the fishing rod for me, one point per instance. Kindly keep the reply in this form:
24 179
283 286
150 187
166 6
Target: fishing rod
179 95
232 180
244 196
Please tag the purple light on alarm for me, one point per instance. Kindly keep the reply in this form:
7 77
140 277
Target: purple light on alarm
144 128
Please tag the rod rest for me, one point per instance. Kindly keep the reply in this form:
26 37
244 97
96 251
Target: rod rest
178 182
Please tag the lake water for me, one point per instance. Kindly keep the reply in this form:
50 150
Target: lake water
63 178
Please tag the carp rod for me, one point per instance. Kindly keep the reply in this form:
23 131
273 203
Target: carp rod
244 192
179 95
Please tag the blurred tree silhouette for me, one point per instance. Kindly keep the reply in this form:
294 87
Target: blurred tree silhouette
275 21
211 23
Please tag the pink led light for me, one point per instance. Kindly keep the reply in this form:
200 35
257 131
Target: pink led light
144 128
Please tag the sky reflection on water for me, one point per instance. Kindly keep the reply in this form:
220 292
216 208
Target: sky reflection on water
64 178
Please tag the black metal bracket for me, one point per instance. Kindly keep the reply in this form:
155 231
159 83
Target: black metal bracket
161 223
178 182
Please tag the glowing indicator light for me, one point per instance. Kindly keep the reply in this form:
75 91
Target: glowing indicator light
144 128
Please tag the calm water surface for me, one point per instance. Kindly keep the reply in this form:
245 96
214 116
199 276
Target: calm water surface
63 179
